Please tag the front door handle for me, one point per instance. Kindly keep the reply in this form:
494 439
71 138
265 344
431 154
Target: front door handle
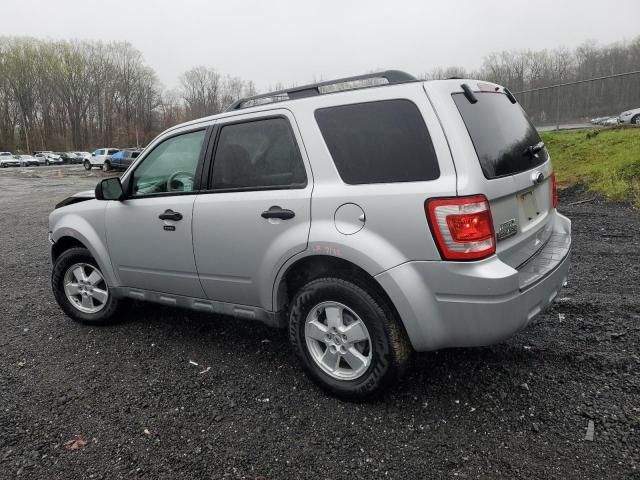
278 212
170 215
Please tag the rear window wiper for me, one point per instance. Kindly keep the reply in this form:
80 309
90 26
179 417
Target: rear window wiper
532 150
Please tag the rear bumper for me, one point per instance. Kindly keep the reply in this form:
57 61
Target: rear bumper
463 304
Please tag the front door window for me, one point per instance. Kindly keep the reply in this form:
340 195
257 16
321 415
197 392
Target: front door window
170 167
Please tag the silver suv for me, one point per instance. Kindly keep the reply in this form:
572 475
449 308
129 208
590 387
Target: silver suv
370 220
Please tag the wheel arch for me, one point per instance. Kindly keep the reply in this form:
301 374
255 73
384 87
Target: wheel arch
66 237
63 244
311 267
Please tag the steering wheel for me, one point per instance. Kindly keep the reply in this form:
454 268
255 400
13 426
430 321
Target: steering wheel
175 177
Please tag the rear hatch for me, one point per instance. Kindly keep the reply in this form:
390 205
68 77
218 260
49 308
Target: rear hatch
503 158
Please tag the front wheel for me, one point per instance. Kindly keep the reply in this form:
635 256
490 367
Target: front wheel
349 340
636 120
87 165
80 288
46 162
106 166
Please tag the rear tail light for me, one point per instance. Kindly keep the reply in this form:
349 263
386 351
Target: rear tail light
462 227
554 191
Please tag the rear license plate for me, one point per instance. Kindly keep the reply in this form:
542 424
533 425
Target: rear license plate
529 205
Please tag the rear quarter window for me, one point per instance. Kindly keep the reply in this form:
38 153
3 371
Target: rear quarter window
379 142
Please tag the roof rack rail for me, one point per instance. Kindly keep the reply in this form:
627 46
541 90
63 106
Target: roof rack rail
391 76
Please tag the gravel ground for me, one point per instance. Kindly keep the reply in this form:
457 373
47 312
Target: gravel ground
517 410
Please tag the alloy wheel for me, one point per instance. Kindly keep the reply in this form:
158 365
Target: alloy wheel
85 288
338 341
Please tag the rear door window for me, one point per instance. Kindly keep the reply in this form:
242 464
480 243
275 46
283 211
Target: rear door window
258 155
379 142
501 134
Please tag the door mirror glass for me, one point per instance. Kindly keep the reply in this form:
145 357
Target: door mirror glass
109 189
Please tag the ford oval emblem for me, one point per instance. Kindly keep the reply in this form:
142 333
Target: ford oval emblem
537 178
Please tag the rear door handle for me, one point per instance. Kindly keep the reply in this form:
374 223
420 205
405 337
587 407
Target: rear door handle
170 215
278 212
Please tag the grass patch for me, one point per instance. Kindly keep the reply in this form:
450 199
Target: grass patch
607 163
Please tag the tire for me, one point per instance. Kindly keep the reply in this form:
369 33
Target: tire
635 120
87 165
106 166
388 352
46 162
62 271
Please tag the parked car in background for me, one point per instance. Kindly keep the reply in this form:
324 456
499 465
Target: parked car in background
83 155
100 158
8 160
610 122
630 116
124 158
47 157
597 120
27 160
69 157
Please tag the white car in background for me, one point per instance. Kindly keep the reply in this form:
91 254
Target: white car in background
99 158
631 116
47 157
7 160
27 160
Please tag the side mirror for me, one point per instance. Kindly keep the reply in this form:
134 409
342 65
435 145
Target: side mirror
109 189
93 154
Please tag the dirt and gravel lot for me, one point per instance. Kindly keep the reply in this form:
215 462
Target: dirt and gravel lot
515 410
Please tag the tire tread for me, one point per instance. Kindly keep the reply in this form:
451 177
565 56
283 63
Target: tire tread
66 258
391 365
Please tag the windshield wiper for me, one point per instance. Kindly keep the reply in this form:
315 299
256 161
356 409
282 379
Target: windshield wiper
532 150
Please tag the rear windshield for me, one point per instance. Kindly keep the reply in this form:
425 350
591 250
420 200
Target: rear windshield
379 142
501 134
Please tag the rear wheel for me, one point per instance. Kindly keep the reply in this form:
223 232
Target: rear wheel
46 162
348 339
80 288
106 166
87 165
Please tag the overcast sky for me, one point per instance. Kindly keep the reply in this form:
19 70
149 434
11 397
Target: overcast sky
295 41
